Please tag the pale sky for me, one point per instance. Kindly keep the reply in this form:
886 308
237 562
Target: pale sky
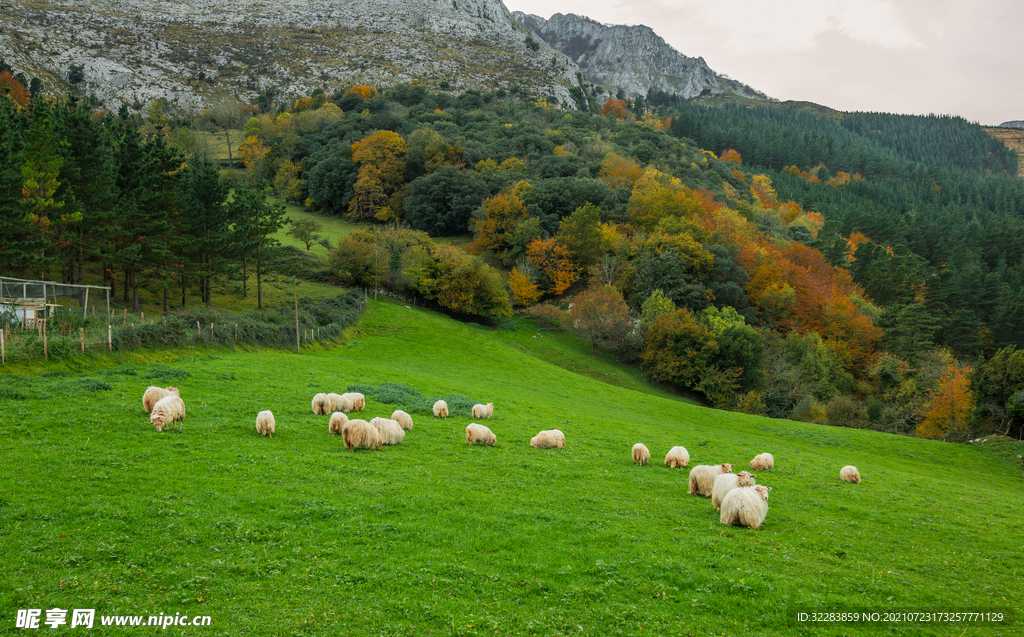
951 57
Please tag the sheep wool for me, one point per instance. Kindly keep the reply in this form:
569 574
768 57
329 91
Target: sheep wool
265 424
763 462
849 473
153 394
483 411
340 403
402 418
168 410
359 434
745 506
321 405
358 400
677 457
337 423
727 482
702 477
547 439
441 409
641 454
391 432
478 434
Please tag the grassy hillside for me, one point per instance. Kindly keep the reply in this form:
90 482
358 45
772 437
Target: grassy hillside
296 535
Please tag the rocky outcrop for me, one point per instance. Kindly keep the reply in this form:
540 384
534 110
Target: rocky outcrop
1015 123
191 52
631 58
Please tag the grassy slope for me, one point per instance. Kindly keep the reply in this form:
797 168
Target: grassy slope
295 535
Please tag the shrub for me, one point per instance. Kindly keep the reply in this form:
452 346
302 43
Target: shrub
844 411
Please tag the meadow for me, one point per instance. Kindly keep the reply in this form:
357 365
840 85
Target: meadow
295 535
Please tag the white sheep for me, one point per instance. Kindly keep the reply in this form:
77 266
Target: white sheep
727 482
337 423
403 419
168 410
702 477
391 432
153 394
321 405
358 400
441 409
763 462
340 403
265 424
641 454
745 506
483 411
849 473
547 439
479 434
359 434
677 457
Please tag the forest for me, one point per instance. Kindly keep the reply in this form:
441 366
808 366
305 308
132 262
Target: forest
853 269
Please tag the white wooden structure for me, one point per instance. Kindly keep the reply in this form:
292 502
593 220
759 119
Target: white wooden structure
31 301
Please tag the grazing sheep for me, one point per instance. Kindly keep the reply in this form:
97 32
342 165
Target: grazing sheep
340 403
547 439
265 424
745 506
359 434
483 411
337 423
677 457
763 462
640 454
391 432
154 394
168 410
849 473
321 405
403 419
702 477
727 482
441 409
358 400
479 434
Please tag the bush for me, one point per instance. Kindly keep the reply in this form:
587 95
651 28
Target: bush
844 411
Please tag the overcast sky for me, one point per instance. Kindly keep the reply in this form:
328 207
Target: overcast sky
957 57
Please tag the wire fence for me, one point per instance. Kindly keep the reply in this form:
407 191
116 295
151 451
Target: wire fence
68 334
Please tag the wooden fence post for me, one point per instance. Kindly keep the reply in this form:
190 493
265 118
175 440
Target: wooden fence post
3 349
110 341
46 353
81 333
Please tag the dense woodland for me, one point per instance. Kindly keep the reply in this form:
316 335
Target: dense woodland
850 269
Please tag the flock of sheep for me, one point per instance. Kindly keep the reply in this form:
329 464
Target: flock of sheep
737 497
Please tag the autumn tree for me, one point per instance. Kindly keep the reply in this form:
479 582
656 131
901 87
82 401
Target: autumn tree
524 290
615 108
601 314
554 264
381 160
950 406
581 235
254 155
733 156
496 220
678 349
619 172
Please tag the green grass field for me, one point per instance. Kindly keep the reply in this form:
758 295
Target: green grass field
295 535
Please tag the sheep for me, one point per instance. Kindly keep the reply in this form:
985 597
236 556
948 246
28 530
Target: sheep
547 439
154 394
168 410
483 411
340 403
265 424
677 457
358 400
337 423
359 434
702 477
641 454
391 432
763 462
745 506
849 473
727 482
403 419
440 409
321 405
479 434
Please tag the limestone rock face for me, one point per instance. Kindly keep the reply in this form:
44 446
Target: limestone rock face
191 52
632 58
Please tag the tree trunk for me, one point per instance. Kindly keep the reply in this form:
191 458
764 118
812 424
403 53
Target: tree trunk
227 136
135 291
184 301
259 277
127 283
245 277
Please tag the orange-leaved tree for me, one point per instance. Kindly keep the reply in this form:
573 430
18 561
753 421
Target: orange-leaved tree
733 156
381 159
619 172
951 405
601 314
554 263
501 214
615 108
524 291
